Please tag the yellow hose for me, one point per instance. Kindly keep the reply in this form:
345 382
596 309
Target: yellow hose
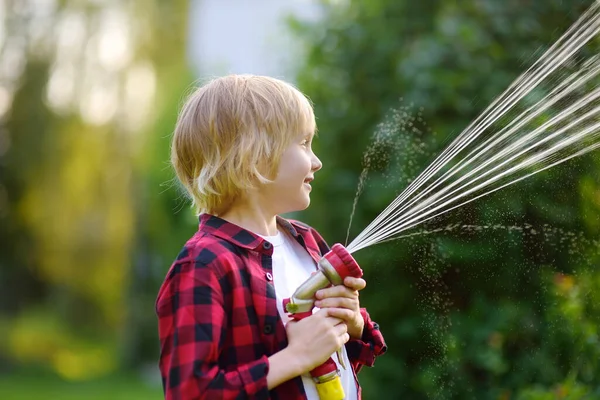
331 390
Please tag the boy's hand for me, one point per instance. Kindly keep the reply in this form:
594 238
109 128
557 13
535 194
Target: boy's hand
342 302
313 339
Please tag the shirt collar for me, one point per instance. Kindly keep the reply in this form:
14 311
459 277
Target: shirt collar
241 237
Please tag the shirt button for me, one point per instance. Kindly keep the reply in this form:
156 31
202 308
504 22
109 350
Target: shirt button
267 329
269 276
266 245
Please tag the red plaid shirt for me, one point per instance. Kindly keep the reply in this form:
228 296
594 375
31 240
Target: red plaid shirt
218 321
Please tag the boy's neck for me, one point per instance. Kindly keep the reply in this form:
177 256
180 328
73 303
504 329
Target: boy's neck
253 219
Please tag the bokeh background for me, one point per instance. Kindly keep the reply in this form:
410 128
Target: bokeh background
90 217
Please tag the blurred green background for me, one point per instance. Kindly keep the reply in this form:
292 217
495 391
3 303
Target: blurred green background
90 217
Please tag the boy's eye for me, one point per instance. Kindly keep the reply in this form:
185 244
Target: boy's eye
304 142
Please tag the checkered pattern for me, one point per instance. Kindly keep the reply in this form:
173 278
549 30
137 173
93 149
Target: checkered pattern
218 320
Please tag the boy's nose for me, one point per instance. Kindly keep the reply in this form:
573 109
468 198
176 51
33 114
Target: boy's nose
316 163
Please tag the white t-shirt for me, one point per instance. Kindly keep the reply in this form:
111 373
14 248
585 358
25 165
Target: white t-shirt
292 265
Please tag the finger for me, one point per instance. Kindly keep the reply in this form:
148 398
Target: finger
336 315
325 314
341 329
341 313
355 283
321 313
336 291
338 302
334 321
345 338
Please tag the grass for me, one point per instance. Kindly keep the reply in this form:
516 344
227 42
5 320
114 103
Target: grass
122 387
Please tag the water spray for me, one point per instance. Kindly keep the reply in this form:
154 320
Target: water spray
562 123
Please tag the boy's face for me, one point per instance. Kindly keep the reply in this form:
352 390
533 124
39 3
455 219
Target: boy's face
290 191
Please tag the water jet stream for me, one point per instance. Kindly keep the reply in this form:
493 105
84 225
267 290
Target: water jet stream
561 125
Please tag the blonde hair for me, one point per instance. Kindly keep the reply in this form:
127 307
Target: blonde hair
231 134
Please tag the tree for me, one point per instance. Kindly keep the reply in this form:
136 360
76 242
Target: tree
466 314
82 90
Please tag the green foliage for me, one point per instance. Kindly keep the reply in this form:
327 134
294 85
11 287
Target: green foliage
476 313
85 236
118 387
90 218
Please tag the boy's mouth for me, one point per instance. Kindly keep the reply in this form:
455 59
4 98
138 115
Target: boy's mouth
307 182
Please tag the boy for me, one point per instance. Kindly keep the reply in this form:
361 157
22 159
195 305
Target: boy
242 149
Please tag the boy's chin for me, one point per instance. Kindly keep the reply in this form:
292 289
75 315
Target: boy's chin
298 207
306 204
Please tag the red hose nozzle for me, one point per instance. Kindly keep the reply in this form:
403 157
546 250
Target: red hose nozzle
344 264
334 267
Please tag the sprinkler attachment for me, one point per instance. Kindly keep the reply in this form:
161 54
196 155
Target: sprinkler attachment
333 268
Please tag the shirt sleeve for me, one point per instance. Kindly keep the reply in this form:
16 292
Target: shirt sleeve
363 351
192 327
